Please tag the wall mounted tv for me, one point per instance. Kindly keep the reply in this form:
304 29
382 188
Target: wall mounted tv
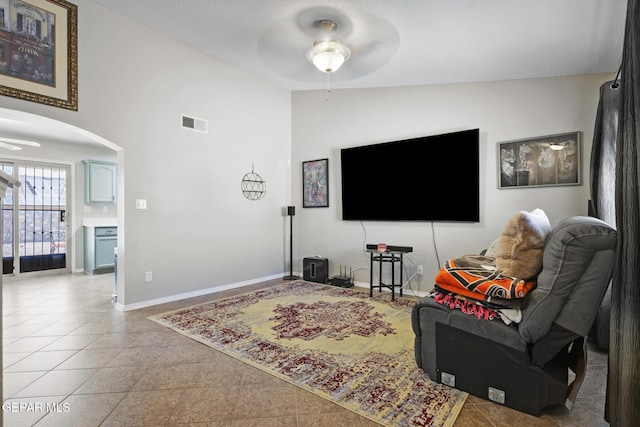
431 178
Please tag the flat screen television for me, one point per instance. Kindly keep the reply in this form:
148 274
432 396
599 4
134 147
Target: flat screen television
431 178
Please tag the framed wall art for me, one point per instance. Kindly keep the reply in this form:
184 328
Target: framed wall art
39 52
315 183
542 161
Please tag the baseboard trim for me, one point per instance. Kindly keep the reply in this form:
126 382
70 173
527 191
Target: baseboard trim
405 291
214 289
186 295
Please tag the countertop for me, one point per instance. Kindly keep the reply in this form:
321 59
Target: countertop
100 222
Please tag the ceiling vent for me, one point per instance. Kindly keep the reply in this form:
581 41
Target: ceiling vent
193 123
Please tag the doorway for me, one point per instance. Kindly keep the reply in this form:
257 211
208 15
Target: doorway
34 218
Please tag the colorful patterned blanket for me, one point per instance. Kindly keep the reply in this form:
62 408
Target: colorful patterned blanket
475 276
470 307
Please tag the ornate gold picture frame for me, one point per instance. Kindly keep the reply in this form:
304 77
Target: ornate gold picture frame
39 52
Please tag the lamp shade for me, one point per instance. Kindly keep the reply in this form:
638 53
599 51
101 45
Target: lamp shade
328 55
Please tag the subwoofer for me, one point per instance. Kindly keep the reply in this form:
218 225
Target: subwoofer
315 269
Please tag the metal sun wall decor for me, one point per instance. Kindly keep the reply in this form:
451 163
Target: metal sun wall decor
542 161
315 182
253 186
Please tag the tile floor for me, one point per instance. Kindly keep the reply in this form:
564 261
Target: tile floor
71 359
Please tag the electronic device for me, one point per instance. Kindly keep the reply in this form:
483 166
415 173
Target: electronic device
431 178
342 279
315 269
391 248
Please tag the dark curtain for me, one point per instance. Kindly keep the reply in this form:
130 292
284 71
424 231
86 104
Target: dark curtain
623 383
603 154
603 187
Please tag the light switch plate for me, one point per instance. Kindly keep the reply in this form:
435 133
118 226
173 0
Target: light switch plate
141 203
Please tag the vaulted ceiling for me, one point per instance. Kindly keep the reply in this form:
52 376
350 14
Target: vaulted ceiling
396 43
393 43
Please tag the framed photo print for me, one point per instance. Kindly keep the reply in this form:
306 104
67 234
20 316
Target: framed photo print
542 161
39 52
315 183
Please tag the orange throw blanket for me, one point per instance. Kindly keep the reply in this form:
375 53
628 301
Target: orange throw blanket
469 276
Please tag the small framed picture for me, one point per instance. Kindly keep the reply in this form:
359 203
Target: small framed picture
315 183
542 161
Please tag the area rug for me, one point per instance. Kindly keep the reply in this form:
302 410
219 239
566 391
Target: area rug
337 343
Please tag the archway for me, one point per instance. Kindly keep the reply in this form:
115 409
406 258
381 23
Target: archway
22 129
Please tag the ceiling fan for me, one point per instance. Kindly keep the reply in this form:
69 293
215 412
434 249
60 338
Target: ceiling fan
367 41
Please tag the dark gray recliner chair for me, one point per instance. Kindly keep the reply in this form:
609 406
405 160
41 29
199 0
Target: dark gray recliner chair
525 366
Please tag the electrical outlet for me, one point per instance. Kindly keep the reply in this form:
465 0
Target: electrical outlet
448 379
497 395
420 269
148 276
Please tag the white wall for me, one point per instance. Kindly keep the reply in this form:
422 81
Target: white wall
199 231
503 111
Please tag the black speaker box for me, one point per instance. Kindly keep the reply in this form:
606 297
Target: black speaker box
315 269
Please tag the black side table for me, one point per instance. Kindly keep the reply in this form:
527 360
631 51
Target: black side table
393 255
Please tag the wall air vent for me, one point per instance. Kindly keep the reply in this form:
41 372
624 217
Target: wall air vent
192 123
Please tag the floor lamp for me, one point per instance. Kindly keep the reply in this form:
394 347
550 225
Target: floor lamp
291 211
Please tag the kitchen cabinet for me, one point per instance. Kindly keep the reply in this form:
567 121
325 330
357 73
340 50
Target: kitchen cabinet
99 181
99 248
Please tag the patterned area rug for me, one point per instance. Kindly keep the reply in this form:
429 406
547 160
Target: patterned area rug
336 343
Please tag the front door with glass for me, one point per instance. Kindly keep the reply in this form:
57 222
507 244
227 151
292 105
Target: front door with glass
34 218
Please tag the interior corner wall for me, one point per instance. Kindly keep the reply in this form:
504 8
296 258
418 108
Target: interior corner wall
199 230
503 111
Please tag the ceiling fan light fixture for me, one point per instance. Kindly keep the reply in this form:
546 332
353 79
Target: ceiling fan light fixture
9 146
328 55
